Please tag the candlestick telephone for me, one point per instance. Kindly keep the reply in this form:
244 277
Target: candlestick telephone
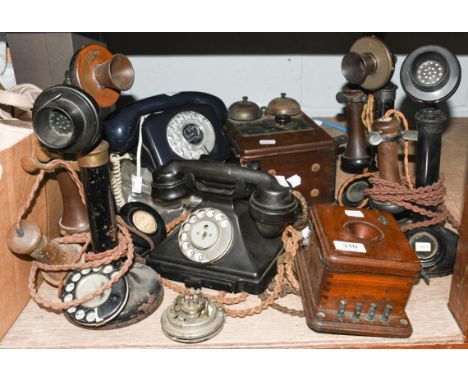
186 125
232 239
68 120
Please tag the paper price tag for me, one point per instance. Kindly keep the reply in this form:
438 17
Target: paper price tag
354 213
349 246
423 247
267 142
294 181
282 180
137 183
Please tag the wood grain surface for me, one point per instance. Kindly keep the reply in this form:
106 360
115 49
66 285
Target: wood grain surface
433 324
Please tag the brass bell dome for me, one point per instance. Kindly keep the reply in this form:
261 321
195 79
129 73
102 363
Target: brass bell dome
283 106
244 110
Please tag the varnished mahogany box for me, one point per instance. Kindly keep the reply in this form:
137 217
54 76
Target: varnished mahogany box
286 145
357 273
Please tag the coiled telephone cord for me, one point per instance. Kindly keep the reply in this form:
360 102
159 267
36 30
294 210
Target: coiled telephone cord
116 177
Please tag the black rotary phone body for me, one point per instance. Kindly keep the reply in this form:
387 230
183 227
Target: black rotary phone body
185 125
232 239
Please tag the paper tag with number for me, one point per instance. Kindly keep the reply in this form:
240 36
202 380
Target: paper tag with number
349 246
354 213
423 247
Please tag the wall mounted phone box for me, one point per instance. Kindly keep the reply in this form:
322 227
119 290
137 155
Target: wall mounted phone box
357 274
308 152
18 142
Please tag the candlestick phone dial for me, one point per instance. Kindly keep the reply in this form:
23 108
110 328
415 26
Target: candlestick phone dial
68 120
232 239
186 125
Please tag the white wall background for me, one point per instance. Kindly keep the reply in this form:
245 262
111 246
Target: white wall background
313 80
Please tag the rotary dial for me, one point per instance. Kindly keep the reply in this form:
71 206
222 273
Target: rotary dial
190 135
206 235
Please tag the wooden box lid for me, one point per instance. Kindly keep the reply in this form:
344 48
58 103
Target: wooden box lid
289 141
358 240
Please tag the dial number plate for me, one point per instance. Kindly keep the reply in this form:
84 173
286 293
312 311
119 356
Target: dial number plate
206 235
190 135
102 308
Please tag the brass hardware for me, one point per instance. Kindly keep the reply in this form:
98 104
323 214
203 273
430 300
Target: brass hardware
371 312
387 312
315 167
244 110
357 311
283 106
341 308
314 192
98 157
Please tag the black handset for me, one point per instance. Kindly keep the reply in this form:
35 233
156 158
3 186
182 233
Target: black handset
179 125
231 240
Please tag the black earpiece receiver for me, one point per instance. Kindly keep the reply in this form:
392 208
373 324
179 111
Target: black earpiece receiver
145 219
67 119
430 75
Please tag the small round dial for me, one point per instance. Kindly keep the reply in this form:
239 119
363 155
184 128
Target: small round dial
190 135
206 235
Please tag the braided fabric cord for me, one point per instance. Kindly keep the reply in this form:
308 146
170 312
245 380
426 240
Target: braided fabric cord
85 260
283 283
427 201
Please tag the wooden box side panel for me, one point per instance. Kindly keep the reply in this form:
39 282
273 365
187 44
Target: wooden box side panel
317 170
366 289
15 186
458 300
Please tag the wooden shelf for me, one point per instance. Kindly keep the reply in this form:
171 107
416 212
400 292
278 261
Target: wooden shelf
433 324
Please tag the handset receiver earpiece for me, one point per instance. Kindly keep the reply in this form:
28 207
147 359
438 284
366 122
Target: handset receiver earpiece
272 205
121 126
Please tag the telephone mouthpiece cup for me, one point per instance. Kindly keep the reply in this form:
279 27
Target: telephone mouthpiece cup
116 73
66 119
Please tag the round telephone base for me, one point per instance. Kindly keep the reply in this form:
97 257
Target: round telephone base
144 297
436 248
192 318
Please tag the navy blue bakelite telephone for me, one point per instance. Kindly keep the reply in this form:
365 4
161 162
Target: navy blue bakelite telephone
186 125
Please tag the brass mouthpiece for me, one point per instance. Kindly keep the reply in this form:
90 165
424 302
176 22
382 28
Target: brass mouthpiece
116 73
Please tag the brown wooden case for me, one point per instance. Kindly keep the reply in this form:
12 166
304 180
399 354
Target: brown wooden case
349 292
458 300
305 149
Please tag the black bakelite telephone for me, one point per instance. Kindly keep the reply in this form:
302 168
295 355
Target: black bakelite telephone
232 239
185 125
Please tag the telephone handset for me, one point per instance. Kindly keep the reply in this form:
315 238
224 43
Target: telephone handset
232 239
185 125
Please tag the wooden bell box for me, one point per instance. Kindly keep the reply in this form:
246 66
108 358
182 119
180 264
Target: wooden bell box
283 141
357 273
